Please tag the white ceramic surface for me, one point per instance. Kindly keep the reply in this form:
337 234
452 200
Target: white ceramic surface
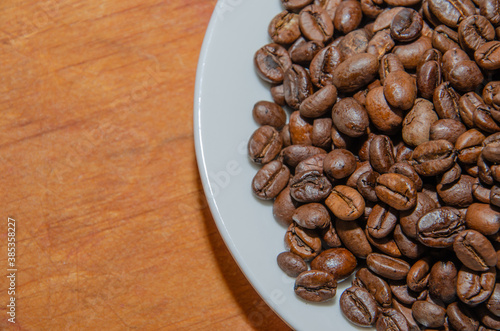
227 87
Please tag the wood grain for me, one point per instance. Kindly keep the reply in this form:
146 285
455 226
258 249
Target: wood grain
97 167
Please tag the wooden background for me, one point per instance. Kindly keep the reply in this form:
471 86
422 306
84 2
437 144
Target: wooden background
97 167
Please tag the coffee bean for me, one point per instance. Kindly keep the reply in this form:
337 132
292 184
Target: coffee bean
292 264
284 206
354 238
407 246
271 62
400 90
475 287
264 144
469 146
391 319
269 113
339 262
315 286
350 117
444 38
310 186
355 42
487 56
319 103
474 31
315 23
347 16
376 286
443 281
483 218
312 163
270 180
356 71
406 25
383 116
434 157
295 4
323 65
446 129
418 275
284 28
409 218
475 250
359 306
297 85
387 266
294 154
418 121
428 314
411 53
321 135
339 163
303 242
381 221
458 193
345 203
439 227
397 191
460 317
366 185
330 236
381 153
311 216
451 12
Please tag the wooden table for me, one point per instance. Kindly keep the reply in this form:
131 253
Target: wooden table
98 170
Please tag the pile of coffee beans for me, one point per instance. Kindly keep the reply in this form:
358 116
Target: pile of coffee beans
381 151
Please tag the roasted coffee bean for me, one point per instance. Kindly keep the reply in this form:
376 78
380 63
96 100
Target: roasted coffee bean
339 262
446 101
383 116
391 319
462 73
284 207
475 287
315 23
381 221
339 163
354 238
385 245
271 62
452 13
481 193
350 117
444 38
329 5
319 103
321 135
381 43
355 42
345 203
429 77
418 275
468 104
439 227
469 146
359 306
303 242
381 153
403 294
361 168
315 286
366 185
278 94
297 85
457 194
347 16
292 264
294 154
264 144
356 71
323 65
295 4
270 180
311 216
387 266
284 28
434 157
383 21
491 150
474 31
489 9
475 250
483 218
446 129
300 129
408 247
487 318
428 314
376 286
310 186
269 113
400 90
495 196
411 53
389 63
493 303
461 318
451 176
407 313
418 121
330 236
340 140
443 281
406 169
487 56
397 191
484 170
409 218
406 25
371 8
303 51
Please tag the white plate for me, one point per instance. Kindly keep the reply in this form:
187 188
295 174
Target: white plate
227 87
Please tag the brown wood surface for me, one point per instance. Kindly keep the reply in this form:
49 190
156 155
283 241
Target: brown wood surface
97 167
